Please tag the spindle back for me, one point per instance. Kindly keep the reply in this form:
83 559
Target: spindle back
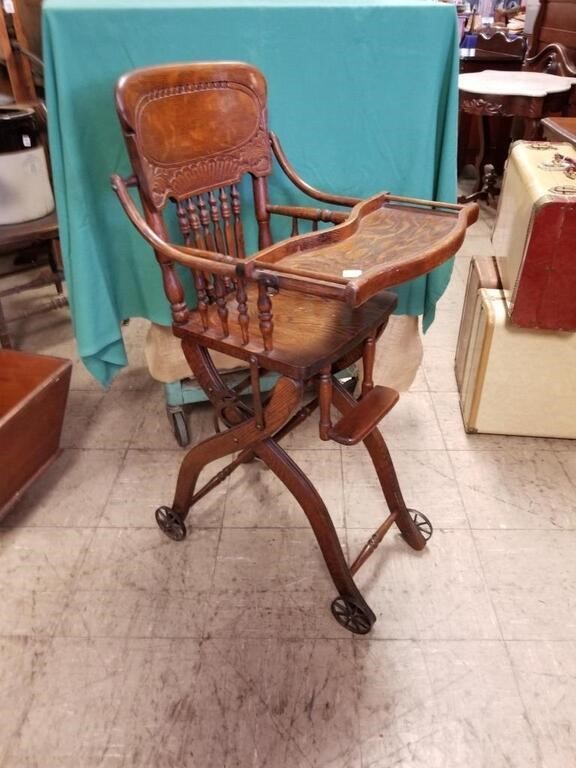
192 131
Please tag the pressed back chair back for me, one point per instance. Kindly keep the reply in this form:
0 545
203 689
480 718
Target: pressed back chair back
193 131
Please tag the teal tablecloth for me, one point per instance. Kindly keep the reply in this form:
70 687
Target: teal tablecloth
363 96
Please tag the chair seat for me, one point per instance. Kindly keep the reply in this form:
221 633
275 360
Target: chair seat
309 332
45 228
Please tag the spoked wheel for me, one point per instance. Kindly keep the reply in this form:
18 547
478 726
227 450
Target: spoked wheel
170 523
422 523
352 616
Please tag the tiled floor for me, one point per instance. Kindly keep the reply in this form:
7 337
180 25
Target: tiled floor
119 647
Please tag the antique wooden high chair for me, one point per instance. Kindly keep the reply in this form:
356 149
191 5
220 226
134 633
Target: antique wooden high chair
304 308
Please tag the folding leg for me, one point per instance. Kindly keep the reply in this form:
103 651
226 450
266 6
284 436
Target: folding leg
414 526
242 438
350 609
246 437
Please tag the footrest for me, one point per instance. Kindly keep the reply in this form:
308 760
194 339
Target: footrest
361 420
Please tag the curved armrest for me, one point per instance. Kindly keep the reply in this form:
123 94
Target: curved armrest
317 194
309 214
205 261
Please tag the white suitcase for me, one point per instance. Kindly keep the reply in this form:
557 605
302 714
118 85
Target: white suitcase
517 381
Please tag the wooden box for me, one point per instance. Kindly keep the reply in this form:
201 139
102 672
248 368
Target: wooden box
33 393
535 235
517 381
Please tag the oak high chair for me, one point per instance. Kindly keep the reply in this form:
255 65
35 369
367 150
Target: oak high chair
304 308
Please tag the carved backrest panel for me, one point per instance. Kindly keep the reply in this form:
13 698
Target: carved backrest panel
194 127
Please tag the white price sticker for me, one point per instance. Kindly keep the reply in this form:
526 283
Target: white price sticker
351 272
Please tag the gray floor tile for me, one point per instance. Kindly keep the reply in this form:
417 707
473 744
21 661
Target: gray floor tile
147 480
522 489
72 493
436 594
531 576
174 703
271 583
258 498
37 571
412 422
441 705
22 660
426 479
546 674
153 430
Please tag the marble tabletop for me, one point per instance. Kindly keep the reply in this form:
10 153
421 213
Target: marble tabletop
532 84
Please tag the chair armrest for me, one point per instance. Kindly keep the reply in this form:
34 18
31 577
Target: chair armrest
205 261
310 214
317 194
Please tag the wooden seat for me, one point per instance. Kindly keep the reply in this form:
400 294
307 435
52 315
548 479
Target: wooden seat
310 332
305 307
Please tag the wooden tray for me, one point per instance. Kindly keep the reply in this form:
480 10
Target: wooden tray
386 240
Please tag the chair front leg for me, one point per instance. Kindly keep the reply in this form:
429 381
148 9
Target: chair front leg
242 438
350 609
414 526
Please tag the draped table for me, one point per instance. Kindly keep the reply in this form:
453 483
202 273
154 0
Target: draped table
363 96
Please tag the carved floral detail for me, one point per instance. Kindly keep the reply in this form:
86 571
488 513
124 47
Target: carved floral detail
199 176
181 180
509 106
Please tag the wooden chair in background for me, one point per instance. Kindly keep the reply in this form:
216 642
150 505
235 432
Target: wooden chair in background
304 308
43 232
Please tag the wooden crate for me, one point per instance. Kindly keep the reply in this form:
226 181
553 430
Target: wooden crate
33 393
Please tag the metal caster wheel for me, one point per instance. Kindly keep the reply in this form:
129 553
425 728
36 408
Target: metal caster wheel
422 523
179 427
353 617
170 523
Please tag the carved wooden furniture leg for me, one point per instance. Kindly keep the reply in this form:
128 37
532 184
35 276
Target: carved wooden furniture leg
350 609
244 438
414 526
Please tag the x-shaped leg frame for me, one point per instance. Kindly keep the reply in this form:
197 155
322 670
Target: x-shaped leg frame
248 436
